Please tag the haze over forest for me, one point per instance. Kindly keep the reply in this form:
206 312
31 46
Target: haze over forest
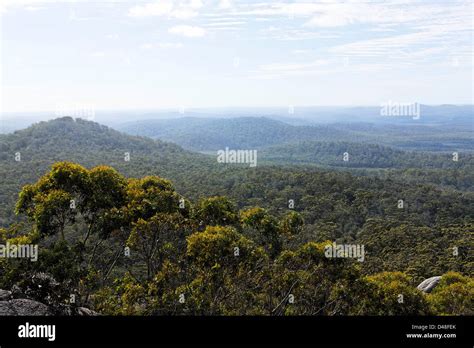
237 158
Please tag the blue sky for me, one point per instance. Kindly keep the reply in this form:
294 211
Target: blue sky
191 54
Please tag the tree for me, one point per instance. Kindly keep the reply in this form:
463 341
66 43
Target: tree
306 282
151 195
394 293
292 224
51 202
106 192
159 238
60 196
265 229
454 295
216 211
228 270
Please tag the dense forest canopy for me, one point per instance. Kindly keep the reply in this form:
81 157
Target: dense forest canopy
430 133
131 225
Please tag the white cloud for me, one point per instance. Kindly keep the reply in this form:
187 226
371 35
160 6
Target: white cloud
291 34
292 67
165 45
225 4
225 24
169 8
187 31
300 51
112 36
183 13
195 4
29 5
170 45
33 8
284 70
98 54
161 8
428 40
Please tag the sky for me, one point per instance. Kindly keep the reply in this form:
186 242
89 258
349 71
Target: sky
223 53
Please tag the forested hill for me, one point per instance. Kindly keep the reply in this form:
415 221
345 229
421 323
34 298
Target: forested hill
362 156
195 175
79 133
202 134
27 154
334 205
210 134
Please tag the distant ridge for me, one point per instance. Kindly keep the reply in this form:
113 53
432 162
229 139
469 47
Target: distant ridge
206 134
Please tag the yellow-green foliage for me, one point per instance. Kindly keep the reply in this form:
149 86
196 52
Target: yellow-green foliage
218 245
394 293
216 211
211 259
454 295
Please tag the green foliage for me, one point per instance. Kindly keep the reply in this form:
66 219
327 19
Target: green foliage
158 239
361 155
265 228
216 211
454 295
123 298
52 212
393 293
218 246
190 250
225 267
292 223
418 250
149 196
210 134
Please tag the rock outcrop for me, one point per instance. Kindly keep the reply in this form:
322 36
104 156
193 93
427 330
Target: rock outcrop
429 284
5 295
23 306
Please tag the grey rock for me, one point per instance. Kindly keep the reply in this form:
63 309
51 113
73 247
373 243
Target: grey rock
429 284
83 311
5 295
6 309
23 307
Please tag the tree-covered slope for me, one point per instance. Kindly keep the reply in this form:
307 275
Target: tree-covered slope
135 246
27 154
360 155
210 134
195 175
236 133
335 205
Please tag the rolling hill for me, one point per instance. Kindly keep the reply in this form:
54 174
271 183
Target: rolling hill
331 154
89 144
211 134
335 204
196 175
205 134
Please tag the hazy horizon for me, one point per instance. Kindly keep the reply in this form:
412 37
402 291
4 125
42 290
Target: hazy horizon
130 55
